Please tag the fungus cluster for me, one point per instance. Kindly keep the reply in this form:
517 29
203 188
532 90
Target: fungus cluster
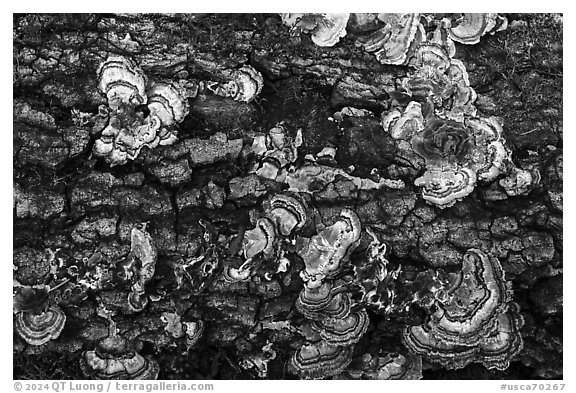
471 317
401 34
478 323
374 277
334 323
436 118
438 80
262 246
80 277
458 155
116 357
36 320
128 129
276 154
395 41
275 151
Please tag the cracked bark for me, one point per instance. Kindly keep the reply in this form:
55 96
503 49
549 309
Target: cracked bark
70 203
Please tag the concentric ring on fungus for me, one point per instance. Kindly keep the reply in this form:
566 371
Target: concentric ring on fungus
260 239
320 360
38 329
324 301
288 213
394 43
472 26
168 103
114 358
343 331
244 85
478 324
445 185
122 81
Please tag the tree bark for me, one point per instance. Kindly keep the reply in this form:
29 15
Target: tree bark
69 205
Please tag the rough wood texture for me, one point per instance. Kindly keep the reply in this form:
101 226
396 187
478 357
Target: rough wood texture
69 205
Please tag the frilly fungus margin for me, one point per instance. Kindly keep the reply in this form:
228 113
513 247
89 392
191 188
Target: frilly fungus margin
128 131
439 123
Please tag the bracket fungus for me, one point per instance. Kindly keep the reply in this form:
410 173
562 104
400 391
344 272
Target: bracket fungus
477 324
490 156
276 150
430 59
393 43
328 300
332 317
128 131
310 177
440 81
343 331
116 144
324 252
472 26
142 247
262 246
374 277
326 29
442 141
313 178
330 29
122 81
397 366
174 326
259 360
243 85
166 101
115 358
320 360
168 106
287 212
459 96
444 145
259 239
457 155
39 328
121 141
404 125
